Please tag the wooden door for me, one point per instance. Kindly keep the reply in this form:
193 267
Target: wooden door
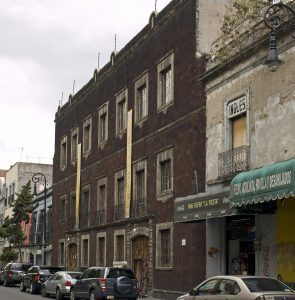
140 257
72 263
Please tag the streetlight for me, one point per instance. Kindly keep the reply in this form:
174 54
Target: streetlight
37 178
276 15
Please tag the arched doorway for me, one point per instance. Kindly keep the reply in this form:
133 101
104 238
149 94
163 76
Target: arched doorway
72 263
140 259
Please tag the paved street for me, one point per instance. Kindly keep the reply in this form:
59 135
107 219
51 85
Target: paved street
13 293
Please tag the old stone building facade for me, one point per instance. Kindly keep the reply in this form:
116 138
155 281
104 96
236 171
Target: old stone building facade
250 177
130 142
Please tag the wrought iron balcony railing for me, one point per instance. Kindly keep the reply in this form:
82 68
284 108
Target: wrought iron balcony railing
99 217
233 161
139 208
118 212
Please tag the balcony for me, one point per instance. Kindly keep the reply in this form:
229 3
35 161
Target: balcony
232 162
99 217
139 209
119 212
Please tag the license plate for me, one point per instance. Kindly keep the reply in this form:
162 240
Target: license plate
110 297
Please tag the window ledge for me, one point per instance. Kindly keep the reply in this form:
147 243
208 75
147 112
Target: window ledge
164 268
165 107
165 196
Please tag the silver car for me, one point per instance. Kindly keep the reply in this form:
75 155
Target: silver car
59 284
240 288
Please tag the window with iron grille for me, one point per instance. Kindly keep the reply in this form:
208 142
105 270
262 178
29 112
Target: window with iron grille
62 209
165 174
100 216
40 227
61 253
101 255
85 207
164 253
120 248
72 211
85 252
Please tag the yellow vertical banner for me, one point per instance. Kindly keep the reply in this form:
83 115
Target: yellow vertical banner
78 181
128 165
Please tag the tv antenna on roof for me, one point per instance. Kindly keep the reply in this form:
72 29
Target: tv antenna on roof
98 57
155 5
74 87
115 43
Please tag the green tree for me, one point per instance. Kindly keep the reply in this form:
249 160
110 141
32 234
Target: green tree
8 255
22 207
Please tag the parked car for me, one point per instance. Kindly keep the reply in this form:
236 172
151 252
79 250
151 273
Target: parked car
240 288
59 284
105 283
34 277
13 272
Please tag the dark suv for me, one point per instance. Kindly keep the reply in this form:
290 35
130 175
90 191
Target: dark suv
105 283
35 277
13 272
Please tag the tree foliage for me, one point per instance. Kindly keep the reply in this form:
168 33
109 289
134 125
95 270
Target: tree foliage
22 207
8 255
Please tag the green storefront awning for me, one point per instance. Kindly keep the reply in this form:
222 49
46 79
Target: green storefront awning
268 183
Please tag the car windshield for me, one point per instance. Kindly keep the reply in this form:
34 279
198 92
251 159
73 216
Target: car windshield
73 275
265 285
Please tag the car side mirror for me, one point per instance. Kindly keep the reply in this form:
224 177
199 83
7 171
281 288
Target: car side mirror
193 293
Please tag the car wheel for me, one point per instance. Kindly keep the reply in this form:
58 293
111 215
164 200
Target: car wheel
32 290
5 282
92 296
43 291
58 295
72 295
22 287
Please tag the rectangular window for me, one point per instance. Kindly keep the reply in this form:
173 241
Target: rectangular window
87 136
102 125
121 115
120 253
85 207
239 131
61 253
165 92
166 85
72 209
164 237
141 98
121 112
74 144
62 209
165 174
63 152
85 255
119 195
101 201
101 240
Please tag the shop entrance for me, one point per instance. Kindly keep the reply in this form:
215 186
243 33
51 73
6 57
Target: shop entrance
240 235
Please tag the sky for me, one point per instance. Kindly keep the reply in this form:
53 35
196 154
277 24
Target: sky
48 49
